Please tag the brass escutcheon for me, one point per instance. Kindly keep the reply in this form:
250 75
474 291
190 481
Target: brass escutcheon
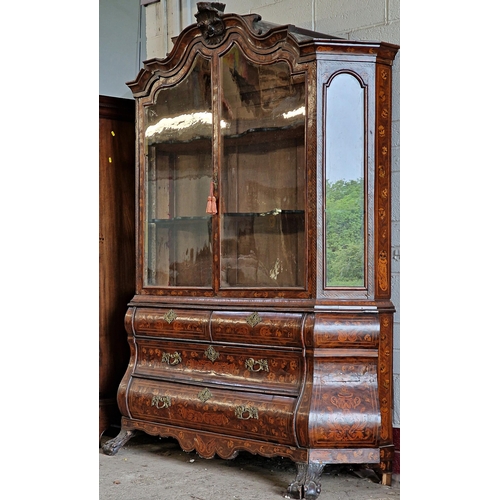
169 316
254 319
204 395
246 412
211 354
165 402
171 359
256 365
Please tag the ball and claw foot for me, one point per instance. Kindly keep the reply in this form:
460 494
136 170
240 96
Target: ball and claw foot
294 491
112 446
306 485
311 490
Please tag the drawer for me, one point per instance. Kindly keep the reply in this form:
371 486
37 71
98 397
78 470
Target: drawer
344 330
251 367
266 328
172 323
215 410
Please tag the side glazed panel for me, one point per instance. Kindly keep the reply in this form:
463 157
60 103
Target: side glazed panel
344 181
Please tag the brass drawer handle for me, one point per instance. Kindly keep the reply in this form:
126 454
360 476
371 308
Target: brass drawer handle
246 412
256 365
171 359
161 402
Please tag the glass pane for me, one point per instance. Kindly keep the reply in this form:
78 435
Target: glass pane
178 141
263 174
344 140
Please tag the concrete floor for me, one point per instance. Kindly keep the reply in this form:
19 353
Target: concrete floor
151 468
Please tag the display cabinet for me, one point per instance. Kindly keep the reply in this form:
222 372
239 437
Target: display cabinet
262 318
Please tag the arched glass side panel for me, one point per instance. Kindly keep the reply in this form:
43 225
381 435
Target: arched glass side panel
178 145
344 182
262 181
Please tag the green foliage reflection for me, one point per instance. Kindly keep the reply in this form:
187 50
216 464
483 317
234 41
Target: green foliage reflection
344 233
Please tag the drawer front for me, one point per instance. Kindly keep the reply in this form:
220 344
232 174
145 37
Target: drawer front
214 410
344 330
266 328
251 367
172 323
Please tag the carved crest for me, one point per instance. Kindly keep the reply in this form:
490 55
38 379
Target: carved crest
209 21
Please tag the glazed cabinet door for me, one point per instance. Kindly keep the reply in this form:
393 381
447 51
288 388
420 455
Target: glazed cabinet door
263 174
178 164
225 186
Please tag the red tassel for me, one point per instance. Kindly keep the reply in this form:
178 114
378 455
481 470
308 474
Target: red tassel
211 204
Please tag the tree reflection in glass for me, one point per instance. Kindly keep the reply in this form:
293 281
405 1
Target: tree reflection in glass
344 186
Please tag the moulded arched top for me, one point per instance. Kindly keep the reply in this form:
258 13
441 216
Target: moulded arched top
214 29
344 72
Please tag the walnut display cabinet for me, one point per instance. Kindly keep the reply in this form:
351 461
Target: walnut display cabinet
262 318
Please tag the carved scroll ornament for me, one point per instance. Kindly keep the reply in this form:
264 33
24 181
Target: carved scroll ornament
209 21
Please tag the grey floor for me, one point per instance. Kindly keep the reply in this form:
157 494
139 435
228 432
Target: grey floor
151 468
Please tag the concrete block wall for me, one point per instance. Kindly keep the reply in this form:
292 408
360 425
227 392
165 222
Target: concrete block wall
351 19
121 47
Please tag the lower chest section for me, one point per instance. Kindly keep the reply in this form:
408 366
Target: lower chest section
296 380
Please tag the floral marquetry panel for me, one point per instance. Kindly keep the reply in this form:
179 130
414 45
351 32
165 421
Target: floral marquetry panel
383 183
345 407
385 376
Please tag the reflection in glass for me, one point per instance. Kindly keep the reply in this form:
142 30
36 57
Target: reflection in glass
178 142
263 174
344 186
